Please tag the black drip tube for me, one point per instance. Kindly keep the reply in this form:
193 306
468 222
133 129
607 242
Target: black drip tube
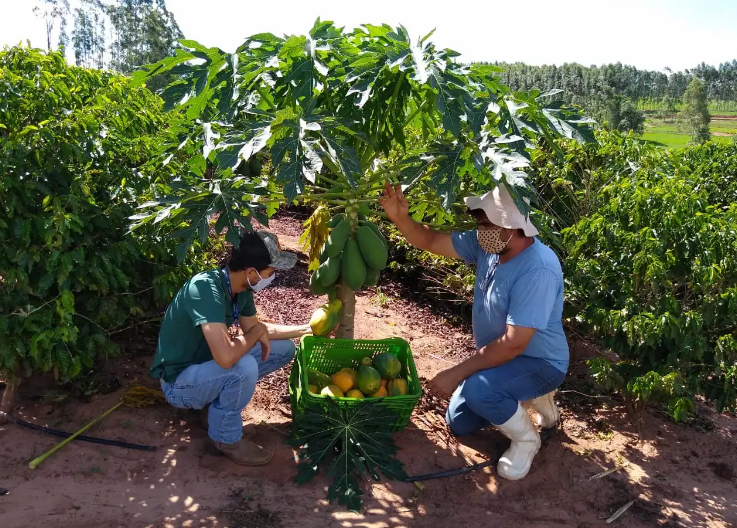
92 439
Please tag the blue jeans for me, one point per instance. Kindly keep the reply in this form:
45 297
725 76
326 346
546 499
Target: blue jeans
228 391
491 396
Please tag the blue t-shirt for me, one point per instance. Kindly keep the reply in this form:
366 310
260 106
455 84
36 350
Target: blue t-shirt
525 291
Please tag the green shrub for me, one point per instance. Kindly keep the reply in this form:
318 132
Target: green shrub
652 270
72 145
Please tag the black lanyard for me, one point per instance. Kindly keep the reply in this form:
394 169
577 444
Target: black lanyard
230 292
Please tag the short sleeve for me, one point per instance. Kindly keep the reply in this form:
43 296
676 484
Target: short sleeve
466 244
532 298
246 304
204 302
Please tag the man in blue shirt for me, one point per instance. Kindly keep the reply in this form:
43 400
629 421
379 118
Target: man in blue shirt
522 352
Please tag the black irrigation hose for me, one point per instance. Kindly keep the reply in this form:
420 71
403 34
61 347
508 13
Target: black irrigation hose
91 439
545 435
451 472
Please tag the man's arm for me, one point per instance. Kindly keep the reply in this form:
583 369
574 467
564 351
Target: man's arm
506 348
276 331
226 351
501 350
420 236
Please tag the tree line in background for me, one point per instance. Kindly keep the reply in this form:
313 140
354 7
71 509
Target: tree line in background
648 89
619 95
121 35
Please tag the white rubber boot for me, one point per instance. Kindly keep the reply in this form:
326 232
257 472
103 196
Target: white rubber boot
547 411
516 461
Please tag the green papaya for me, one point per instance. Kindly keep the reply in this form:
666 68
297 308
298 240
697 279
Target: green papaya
323 253
243 169
333 294
316 286
337 238
334 220
326 318
317 378
376 230
372 276
363 211
353 268
254 164
373 250
329 271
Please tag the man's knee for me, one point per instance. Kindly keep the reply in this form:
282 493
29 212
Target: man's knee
460 425
246 369
283 350
480 396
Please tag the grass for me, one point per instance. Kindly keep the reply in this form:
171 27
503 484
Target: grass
715 107
666 133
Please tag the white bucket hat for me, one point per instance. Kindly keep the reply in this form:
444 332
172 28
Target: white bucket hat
501 210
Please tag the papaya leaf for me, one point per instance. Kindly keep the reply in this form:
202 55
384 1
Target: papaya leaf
354 442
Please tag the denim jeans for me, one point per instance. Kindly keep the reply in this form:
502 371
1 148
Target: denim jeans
228 391
491 396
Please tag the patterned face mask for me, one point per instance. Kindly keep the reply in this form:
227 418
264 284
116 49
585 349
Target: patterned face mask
491 241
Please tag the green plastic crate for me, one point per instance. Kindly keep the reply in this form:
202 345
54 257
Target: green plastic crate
331 355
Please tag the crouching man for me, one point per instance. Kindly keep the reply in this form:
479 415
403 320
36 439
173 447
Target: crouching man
522 352
201 367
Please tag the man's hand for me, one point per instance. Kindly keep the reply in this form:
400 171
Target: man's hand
394 203
265 346
444 384
259 332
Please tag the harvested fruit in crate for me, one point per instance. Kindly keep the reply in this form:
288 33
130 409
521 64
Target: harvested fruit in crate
345 379
376 378
317 379
379 393
333 391
397 387
369 380
388 365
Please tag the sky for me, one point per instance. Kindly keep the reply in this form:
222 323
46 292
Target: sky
649 34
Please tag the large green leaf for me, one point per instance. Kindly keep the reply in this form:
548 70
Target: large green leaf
335 104
353 442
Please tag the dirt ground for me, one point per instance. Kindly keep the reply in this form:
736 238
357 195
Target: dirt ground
677 475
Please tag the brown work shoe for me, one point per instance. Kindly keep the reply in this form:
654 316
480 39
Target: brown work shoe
245 453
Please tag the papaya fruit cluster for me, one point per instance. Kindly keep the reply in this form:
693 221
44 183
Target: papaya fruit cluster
354 253
375 378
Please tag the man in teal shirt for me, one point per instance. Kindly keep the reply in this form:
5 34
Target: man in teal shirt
201 367
522 352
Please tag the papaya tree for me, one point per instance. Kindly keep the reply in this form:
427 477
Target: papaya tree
328 111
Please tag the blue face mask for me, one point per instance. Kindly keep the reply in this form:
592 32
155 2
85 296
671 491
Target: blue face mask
261 284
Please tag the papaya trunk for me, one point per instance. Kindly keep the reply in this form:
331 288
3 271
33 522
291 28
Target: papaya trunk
6 407
348 298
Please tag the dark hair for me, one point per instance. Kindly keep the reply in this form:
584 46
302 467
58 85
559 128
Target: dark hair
250 253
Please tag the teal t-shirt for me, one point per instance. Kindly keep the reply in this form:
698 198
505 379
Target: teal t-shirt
525 291
203 299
